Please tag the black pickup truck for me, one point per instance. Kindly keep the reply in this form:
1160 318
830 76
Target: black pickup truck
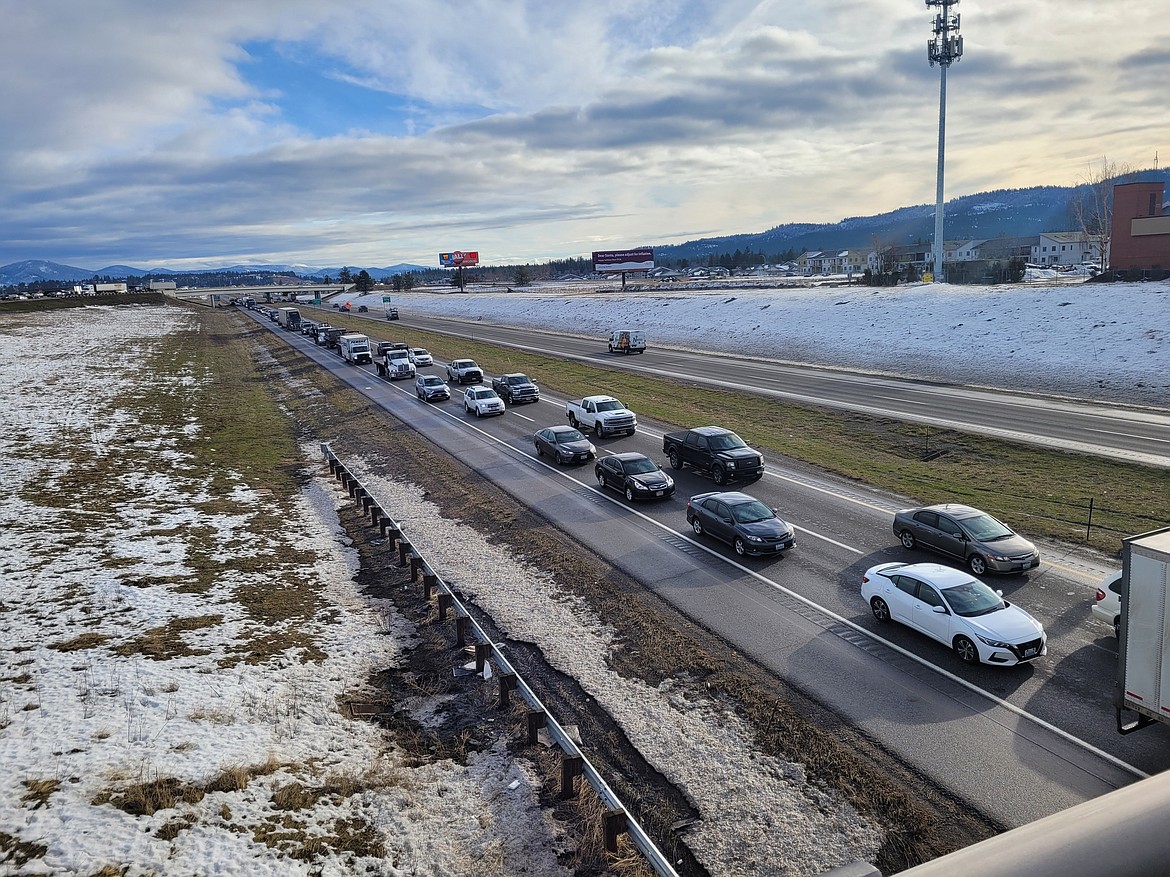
715 450
515 388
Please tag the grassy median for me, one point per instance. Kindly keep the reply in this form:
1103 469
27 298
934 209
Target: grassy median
1067 496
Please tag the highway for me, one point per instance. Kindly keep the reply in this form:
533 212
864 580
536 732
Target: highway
1137 435
1016 743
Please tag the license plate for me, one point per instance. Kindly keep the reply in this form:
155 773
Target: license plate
1030 653
658 493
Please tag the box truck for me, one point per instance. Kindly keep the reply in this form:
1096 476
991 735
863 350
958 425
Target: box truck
355 349
1142 693
289 318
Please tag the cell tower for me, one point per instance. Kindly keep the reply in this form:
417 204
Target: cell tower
943 49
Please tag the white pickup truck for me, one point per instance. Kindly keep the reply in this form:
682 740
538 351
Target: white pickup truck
605 415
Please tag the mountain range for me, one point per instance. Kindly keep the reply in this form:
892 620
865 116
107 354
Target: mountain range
999 213
33 271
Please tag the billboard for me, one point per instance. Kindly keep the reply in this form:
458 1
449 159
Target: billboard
623 260
458 259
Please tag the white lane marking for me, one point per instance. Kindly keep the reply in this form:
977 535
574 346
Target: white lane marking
529 419
776 586
900 400
1128 435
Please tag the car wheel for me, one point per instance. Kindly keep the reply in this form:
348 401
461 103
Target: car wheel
420 398
697 526
880 610
600 478
573 420
966 650
675 459
740 547
718 475
908 540
539 451
629 494
597 430
478 413
977 564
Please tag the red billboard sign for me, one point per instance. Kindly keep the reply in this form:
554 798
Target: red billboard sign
458 259
623 260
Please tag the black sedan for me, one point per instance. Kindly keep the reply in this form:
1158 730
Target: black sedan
742 521
565 444
635 475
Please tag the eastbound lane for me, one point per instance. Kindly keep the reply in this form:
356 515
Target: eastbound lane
801 617
1133 434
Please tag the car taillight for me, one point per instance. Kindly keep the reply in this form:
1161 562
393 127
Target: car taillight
1100 595
865 580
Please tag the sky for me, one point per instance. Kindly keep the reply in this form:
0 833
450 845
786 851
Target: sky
374 132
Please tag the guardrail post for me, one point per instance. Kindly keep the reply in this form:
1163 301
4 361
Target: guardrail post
446 601
571 768
375 514
404 550
537 719
416 563
462 625
614 825
482 650
354 486
429 580
507 683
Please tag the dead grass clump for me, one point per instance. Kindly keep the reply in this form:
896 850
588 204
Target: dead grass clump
166 642
111 871
172 829
147 797
294 796
261 644
17 852
83 641
215 717
39 792
237 777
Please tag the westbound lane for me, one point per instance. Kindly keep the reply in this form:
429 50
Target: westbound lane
801 616
1139 435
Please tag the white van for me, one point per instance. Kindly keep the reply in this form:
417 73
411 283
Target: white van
627 341
355 349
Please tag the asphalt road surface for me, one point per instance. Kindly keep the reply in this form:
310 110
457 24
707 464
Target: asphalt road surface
1140 435
1017 743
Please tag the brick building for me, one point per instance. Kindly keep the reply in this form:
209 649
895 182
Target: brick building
1141 228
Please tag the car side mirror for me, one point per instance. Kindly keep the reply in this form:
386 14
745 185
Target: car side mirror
941 610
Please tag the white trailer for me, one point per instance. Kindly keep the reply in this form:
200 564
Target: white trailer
355 349
289 318
1142 695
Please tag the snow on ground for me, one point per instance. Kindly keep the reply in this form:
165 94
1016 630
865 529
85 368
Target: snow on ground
756 811
120 671
1093 340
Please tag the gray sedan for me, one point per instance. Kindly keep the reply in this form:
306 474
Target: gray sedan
974 537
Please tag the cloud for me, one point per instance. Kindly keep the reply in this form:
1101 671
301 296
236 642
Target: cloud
386 130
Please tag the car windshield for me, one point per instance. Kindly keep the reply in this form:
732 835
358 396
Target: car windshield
517 379
611 405
418 351
486 394
569 435
985 528
432 382
972 598
639 467
751 512
726 442
467 363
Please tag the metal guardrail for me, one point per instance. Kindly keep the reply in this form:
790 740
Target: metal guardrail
616 820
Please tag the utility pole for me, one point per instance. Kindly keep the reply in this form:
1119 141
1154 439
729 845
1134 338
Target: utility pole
944 48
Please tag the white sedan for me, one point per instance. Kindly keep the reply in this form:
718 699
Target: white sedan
483 401
959 611
421 356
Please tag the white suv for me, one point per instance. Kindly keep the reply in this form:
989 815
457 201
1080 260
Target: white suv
1107 606
482 400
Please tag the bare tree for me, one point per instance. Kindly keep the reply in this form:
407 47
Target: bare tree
1092 204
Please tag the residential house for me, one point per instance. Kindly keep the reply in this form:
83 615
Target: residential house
1063 248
